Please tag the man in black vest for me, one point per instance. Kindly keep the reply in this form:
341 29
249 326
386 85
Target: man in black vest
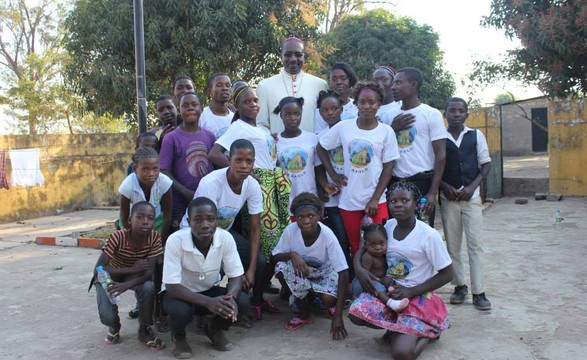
467 163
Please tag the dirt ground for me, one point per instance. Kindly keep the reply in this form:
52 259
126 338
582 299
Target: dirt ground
536 278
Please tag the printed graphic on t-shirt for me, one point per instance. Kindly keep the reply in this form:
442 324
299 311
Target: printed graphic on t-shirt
294 159
406 137
361 153
221 132
399 266
226 215
272 147
337 156
197 159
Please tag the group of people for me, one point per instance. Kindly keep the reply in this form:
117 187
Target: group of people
298 180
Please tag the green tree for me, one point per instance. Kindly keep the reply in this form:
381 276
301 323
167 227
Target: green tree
504 98
194 38
553 54
379 37
30 59
337 9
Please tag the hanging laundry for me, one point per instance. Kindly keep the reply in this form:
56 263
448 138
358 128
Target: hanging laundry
3 181
26 167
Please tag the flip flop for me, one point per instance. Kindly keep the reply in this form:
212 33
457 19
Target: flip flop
330 312
113 338
296 323
151 341
162 326
269 307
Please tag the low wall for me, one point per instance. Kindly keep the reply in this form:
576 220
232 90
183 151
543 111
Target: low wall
79 171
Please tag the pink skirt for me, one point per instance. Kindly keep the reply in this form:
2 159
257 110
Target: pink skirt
425 316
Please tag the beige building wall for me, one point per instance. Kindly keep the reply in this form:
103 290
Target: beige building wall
79 171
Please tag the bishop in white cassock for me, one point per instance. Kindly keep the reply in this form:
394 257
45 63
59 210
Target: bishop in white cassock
291 81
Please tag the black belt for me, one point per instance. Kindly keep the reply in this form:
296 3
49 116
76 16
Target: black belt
424 175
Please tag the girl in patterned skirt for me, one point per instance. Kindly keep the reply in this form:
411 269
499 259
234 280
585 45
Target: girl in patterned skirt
310 259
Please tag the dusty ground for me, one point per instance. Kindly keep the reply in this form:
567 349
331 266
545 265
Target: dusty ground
536 280
532 166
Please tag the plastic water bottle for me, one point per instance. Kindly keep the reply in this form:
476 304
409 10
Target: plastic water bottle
558 217
105 279
423 213
366 220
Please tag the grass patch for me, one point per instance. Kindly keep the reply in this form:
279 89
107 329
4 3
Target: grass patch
99 233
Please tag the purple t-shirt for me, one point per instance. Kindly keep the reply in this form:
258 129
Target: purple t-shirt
185 155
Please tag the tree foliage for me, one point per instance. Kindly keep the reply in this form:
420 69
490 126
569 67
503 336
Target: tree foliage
337 9
504 98
194 38
30 59
553 54
378 37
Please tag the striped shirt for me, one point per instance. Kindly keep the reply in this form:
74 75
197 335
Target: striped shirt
122 255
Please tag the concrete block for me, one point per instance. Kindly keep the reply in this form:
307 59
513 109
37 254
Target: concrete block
521 201
45 240
90 243
554 197
540 196
65 241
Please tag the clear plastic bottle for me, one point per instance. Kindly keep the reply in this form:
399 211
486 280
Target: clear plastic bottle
423 214
366 220
105 279
557 216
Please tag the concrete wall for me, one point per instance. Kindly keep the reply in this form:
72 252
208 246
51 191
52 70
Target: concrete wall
567 122
80 171
517 130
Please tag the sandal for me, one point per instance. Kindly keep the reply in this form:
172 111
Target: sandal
269 307
244 322
113 337
219 341
162 325
265 306
296 323
330 312
150 340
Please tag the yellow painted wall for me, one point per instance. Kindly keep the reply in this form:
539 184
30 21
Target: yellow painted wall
567 138
79 171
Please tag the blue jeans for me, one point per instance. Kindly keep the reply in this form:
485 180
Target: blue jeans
358 289
144 293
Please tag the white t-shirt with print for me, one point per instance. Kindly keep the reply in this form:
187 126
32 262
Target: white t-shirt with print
336 156
349 111
365 152
384 112
263 142
215 187
418 257
187 266
325 249
415 143
216 124
297 157
131 189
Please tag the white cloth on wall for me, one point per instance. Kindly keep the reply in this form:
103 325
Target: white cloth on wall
26 167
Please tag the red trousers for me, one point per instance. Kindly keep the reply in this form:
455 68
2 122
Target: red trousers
352 224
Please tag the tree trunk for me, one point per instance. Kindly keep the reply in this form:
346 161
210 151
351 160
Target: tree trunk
32 124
